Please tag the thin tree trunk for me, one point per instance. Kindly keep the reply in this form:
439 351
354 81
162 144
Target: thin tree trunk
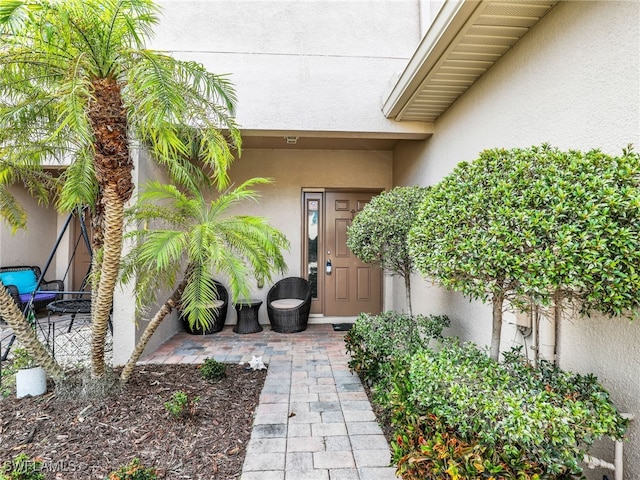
27 336
496 331
102 303
407 289
557 314
155 322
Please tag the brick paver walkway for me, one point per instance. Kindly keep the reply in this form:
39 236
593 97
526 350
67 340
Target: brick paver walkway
313 421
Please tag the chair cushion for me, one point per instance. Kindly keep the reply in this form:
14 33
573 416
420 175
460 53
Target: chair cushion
40 297
287 303
24 280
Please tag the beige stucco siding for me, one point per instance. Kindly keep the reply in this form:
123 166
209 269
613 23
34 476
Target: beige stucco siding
32 245
298 65
573 82
293 170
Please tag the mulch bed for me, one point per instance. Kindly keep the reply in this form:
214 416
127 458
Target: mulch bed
88 439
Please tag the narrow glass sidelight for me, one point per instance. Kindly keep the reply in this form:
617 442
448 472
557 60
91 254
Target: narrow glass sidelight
312 245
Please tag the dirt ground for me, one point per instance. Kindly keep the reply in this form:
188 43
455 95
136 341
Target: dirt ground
88 439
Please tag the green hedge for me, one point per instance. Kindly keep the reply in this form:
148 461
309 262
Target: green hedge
460 415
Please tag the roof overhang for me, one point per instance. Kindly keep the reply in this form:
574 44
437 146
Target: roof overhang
466 39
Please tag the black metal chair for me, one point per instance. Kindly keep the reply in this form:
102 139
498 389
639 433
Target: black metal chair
220 314
288 305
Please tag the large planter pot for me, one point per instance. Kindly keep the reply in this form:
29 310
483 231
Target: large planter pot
31 381
219 317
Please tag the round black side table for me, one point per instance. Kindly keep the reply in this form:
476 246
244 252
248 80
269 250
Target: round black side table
247 313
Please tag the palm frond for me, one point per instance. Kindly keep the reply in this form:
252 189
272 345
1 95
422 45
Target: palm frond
173 96
79 185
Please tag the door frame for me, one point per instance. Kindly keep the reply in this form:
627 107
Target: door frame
318 194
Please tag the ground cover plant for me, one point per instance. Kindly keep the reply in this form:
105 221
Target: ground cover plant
375 342
460 414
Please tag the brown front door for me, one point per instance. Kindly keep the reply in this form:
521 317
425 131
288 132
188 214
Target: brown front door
352 287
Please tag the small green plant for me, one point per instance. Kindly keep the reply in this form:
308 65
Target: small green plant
212 370
133 470
22 467
8 379
22 359
180 405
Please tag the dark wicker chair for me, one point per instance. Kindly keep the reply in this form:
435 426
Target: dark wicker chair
47 291
220 314
288 305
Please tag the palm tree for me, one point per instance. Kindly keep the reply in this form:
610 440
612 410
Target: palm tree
195 238
77 86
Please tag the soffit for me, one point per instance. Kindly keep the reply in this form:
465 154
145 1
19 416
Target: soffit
465 40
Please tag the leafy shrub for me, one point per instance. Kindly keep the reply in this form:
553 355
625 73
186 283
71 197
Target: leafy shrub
535 223
180 405
211 369
459 412
375 342
379 232
22 468
133 471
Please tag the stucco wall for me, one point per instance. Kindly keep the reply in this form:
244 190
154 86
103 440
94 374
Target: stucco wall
298 65
293 170
573 82
280 202
128 327
33 245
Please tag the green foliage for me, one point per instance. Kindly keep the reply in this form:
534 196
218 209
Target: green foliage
180 405
174 228
378 234
22 467
8 379
134 470
527 223
458 411
211 369
77 84
22 359
375 342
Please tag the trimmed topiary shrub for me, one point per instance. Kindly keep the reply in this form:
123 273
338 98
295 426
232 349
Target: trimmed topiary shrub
378 234
537 224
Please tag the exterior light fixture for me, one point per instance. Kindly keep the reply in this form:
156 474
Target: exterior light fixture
291 140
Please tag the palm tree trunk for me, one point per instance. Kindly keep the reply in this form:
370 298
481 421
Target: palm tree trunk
27 336
102 303
155 322
113 167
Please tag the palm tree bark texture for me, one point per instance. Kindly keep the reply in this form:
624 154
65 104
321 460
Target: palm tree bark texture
113 168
